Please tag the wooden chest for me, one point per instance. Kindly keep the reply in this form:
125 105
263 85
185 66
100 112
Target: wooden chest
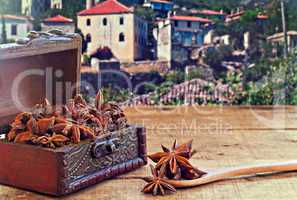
46 67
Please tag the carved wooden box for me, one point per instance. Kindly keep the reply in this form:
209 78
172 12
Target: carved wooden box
70 168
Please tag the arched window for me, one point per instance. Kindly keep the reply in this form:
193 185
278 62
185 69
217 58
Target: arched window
121 20
122 37
88 22
89 38
104 22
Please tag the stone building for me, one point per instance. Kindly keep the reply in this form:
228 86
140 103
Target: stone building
161 7
35 8
261 19
189 30
114 25
56 4
176 35
210 14
58 22
278 40
162 34
16 27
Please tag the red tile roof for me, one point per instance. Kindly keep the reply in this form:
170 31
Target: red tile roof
106 7
239 14
210 12
235 15
190 18
162 1
16 17
58 18
262 16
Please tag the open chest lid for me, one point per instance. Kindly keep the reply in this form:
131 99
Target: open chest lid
47 66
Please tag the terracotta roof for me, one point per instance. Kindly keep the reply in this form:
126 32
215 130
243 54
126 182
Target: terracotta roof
15 17
262 16
162 1
190 18
239 14
210 12
106 7
281 35
59 18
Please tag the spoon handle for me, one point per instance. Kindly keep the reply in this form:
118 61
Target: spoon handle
237 172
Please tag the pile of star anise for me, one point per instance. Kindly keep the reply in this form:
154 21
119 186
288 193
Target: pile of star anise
171 164
55 126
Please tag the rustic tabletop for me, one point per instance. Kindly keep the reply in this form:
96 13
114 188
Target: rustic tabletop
223 136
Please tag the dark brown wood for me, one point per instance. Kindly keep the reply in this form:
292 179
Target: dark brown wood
29 167
30 73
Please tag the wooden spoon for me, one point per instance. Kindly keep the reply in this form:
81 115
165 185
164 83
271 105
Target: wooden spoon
238 172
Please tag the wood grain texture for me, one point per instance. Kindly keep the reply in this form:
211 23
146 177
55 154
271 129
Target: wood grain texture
30 73
71 168
254 136
31 168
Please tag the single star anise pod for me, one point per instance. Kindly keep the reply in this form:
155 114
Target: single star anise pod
158 184
176 161
54 141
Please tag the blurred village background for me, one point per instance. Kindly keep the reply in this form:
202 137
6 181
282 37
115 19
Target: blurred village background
180 52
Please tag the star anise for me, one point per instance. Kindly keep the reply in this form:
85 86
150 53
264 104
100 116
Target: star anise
51 126
23 137
45 109
158 184
18 126
54 141
176 161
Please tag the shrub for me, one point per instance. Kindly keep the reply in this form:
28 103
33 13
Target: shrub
103 53
175 77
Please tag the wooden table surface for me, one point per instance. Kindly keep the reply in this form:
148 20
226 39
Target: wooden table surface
223 136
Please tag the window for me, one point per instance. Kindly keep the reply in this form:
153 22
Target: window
89 38
88 22
104 22
122 37
189 24
14 30
176 23
121 20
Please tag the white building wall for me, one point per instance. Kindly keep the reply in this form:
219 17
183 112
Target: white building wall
164 45
126 51
22 28
56 4
26 7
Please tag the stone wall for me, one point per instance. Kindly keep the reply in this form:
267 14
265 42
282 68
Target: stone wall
161 66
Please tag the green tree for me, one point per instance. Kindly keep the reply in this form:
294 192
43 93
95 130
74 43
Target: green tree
214 56
275 19
175 77
277 85
10 7
3 32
